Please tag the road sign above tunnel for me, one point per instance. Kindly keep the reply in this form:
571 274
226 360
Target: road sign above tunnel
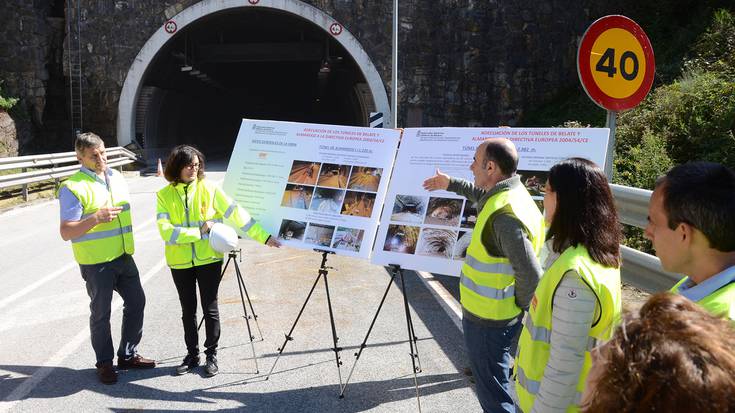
615 63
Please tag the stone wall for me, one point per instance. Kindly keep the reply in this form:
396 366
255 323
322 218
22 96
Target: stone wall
462 62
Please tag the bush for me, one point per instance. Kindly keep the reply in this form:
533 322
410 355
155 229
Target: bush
6 103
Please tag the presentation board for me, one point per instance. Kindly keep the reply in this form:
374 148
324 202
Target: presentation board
430 231
313 186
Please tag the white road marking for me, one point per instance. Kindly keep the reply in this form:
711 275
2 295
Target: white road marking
25 388
9 299
450 305
5 301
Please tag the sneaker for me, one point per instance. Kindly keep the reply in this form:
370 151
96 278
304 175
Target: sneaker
190 361
106 373
211 368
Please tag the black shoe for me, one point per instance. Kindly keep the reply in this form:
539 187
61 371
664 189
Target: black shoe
211 368
190 361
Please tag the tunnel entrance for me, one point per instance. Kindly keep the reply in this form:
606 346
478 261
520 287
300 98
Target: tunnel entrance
246 62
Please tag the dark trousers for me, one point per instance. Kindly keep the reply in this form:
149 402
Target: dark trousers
121 275
489 353
186 280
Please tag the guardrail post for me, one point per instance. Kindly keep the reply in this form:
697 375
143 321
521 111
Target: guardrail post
25 187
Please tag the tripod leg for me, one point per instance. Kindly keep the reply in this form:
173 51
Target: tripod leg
241 286
411 337
364 342
288 336
334 332
413 334
250 303
220 278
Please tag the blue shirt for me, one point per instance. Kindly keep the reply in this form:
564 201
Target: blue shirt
71 208
697 292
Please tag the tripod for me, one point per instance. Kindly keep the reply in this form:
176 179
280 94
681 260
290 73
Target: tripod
395 270
323 271
231 257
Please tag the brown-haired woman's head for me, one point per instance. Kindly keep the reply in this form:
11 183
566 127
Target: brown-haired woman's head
673 357
184 164
580 209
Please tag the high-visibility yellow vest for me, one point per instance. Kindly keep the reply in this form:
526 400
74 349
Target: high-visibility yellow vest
181 211
108 240
534 343
720 303
487 283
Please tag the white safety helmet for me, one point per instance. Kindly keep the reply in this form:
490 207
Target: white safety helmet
222 238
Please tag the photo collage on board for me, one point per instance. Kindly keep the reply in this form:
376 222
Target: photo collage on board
535 183
329 188
430 226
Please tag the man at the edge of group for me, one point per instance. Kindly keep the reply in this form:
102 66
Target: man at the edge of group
95 217
691 222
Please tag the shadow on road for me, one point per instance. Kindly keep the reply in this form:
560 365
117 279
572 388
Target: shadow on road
64 382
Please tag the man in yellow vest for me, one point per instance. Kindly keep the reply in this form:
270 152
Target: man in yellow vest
501 270
691 222
95 217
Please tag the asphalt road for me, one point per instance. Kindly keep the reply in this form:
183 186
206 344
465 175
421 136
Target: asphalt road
47 363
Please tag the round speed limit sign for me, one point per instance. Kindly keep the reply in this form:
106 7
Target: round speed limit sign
615 63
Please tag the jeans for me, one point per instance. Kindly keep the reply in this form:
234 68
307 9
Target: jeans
488 349
121 275
208 278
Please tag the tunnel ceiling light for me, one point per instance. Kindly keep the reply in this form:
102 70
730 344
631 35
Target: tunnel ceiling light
194 72
186 68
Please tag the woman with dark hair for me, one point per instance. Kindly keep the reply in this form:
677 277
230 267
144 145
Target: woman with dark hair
187 208
578 300
673 357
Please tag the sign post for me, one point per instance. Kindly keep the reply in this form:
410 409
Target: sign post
616 66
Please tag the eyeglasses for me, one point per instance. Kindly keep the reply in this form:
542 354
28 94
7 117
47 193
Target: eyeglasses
192 166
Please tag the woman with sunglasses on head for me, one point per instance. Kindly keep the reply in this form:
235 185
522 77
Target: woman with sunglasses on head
578 300
187 208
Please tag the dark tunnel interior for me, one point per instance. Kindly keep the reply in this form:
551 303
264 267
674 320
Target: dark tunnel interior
246 63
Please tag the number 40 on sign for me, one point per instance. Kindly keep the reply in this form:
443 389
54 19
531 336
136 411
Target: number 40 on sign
615 63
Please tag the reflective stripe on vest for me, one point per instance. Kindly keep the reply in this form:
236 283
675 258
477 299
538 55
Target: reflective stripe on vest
720 303
125 207
179 223
230 209
177 229
534 343
500 267
248 225
487 292
487 283
108 240
533 386
543 334
103 234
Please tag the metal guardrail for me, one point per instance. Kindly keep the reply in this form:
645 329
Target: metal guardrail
639 269
53 166
642 270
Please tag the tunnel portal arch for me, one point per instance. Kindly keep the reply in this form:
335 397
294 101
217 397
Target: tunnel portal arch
134 80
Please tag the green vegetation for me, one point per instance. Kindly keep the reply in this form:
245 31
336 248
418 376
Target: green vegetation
689 114
6 103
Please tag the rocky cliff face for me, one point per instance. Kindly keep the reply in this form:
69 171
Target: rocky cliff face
8 137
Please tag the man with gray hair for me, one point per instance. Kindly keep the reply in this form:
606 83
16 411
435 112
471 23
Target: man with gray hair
95 217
